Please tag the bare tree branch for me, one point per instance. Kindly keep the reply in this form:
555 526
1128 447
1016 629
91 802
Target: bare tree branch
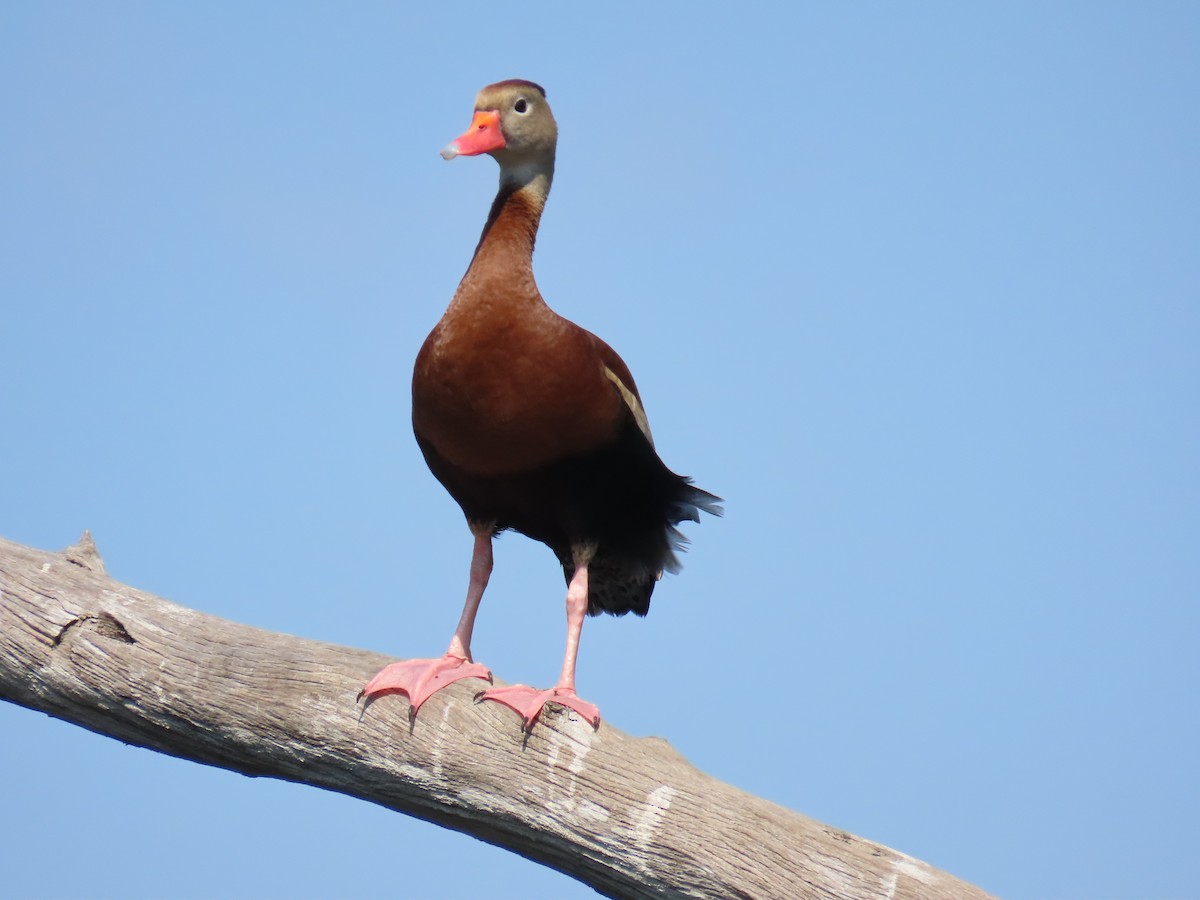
628 816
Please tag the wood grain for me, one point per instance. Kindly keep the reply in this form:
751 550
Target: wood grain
628 816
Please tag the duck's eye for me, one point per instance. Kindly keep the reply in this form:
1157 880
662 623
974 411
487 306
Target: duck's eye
521 106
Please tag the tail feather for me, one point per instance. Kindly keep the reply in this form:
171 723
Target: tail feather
620 583
695 501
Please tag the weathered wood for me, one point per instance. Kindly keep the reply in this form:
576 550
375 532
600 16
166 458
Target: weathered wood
630 817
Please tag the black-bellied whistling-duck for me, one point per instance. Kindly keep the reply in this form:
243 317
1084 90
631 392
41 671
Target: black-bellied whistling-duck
533 423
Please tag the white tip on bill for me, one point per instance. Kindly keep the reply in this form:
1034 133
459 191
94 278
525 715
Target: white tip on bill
450 150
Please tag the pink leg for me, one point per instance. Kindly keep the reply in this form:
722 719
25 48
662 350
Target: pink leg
527 701
481 571
422 678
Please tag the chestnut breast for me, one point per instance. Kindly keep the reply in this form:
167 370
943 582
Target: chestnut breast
506 386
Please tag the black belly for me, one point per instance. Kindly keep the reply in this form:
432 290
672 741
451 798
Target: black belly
620 499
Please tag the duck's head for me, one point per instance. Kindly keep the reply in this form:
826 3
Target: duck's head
512 123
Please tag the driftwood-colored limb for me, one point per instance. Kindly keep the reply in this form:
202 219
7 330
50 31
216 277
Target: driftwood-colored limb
628 816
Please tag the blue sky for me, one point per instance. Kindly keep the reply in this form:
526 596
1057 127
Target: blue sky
916 288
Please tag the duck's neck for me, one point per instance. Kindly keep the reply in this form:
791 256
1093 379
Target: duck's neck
511 228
